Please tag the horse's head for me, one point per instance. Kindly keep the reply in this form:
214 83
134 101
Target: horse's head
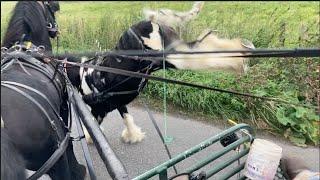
146 36
32 22
51 7
151 36
208 41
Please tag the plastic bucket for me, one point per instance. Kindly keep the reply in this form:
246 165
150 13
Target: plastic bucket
263 160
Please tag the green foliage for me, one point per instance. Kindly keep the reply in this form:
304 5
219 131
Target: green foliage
266 24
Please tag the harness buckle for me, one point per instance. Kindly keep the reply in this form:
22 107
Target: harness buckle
4 50
77 138
53 125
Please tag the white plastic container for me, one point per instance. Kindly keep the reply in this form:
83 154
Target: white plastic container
263 160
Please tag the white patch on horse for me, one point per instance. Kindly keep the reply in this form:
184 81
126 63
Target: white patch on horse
86 133
154 42
90 70
103 80
2 123
84 86
83 59
43 177
132 133
95 90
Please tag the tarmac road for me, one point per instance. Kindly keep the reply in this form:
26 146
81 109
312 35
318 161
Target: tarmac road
187 132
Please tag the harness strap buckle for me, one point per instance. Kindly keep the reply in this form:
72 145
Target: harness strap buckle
77 138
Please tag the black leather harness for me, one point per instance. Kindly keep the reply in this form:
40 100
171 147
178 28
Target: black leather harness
18 57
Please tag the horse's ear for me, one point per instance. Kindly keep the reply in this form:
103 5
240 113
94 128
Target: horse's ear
149 14
55 6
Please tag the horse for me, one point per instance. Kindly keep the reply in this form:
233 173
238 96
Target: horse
34 110
117 91
11 159
32 21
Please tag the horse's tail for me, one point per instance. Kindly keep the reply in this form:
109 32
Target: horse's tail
12 163
172 18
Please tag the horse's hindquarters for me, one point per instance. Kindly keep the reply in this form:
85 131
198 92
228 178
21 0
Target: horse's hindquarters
28 127
32 123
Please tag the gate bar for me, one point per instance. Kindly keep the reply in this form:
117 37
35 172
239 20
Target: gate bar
227 163
216 155
233 172
192 151
84 144
114 166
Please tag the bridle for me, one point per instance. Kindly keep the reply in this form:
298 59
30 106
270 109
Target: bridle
52 25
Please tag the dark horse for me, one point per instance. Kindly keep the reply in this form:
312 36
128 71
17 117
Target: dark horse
33 100
34 22
105 92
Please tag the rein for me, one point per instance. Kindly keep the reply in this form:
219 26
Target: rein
171 81
52 27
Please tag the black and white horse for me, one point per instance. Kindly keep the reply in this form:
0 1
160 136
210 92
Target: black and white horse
147 35
33 103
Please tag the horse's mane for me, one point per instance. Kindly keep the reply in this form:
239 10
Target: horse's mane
27 18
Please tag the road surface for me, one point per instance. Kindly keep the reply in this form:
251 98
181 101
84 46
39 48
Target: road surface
187 132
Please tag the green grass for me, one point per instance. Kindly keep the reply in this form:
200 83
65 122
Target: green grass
266 24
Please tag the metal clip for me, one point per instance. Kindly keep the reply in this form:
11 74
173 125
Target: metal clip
28 51
53 125
17 48
4 50
41 49
77 138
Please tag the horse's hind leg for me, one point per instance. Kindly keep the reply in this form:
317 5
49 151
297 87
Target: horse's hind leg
132 133
60 171
78 171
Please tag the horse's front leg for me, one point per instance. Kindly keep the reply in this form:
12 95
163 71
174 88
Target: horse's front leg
99 115
132 133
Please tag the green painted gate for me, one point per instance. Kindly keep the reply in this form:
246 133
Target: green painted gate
247 136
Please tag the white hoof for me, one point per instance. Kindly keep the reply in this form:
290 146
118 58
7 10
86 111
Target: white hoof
135 135
88 137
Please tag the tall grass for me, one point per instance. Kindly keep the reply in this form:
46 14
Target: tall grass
266 24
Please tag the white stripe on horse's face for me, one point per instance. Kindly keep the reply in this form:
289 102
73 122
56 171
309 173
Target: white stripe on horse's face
154 42
84 86
83 59
43 177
